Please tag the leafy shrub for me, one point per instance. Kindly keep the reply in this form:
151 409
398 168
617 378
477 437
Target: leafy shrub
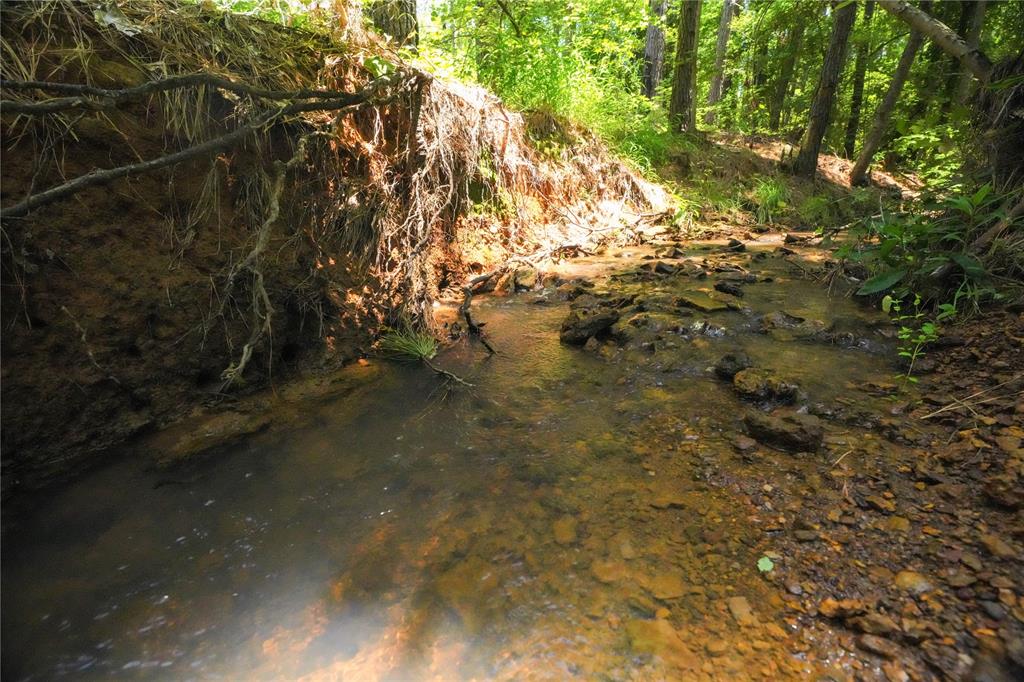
929 251
815 210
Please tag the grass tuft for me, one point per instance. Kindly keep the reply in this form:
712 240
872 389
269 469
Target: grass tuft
407 344
770 197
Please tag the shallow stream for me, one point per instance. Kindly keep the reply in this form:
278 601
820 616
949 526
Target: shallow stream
571 515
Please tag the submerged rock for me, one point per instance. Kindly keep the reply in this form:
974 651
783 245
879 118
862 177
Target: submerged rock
217 432
739 607
762 384
580 325
791 432
730 364
729 288
565 530
658 638
701 302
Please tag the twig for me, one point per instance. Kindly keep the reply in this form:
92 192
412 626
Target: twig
446 374
840 459
958 403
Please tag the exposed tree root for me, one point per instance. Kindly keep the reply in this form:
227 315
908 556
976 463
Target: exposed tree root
206 149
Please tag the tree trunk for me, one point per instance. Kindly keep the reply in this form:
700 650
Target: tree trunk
971 57
973 38
794 39
873 141
682 111
654 48
806 162
859 70
721 45
397 19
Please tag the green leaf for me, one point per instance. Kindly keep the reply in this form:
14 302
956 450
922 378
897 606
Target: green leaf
980 195
972 267
764 564
887 303
881 282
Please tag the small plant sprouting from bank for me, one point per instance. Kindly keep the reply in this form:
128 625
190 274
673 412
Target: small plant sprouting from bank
770 197
408 345
916 331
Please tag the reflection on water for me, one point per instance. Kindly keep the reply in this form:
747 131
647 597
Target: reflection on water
556 521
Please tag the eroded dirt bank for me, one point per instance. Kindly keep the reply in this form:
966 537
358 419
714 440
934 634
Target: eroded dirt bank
685 462
130 304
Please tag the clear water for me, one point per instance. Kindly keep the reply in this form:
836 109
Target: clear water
517 530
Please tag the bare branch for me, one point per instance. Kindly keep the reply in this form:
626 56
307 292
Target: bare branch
508 13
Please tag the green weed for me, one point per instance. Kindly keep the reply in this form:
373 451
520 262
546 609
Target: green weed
770 197
407 344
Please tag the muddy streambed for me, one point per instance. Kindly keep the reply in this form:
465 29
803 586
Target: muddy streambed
574 514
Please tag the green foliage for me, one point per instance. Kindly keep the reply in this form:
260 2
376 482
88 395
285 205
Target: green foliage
928 250
576 59
407 344
770 196
815 210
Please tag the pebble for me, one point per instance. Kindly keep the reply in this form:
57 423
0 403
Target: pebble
879 646
997 547
739 607
565 530
911 581
716 648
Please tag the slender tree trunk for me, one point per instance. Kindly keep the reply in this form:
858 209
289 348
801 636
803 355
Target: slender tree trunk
397 19
682 111
654 48
973 39
859 70
858 176
793 40
971 57
806 162
721 45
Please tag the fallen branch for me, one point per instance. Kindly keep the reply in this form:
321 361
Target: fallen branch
475 330
102 177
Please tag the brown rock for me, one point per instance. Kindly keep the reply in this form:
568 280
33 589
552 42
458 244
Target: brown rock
997 547
657 638
879 646
830 608
912 581
875 624
791 432
565 530
739 607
